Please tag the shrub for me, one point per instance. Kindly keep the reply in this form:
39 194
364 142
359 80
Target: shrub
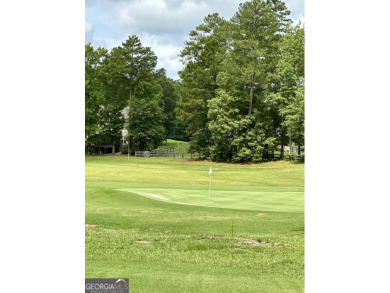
182 148
124 150
257 158
291 157
288 157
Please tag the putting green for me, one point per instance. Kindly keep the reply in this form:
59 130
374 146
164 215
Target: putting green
264 199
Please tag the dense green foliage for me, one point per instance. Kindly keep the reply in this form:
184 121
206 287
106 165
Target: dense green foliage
103 104
248 237
202 55
243 83
240 97
146 130
126 80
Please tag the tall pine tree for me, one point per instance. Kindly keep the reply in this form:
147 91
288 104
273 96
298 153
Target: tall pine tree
202 58
134 64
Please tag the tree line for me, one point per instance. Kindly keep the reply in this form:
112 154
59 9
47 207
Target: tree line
125 82
240 95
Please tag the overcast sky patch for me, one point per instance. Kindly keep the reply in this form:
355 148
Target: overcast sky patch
88 32
163 25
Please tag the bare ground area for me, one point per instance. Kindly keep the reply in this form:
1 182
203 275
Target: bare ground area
244 240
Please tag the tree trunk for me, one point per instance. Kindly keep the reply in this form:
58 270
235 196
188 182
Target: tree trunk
251 95
113 149
299 147
250 106
282 148
290 144
128 118
252 79
213 86
282 143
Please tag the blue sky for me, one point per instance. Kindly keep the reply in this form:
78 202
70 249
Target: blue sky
162 25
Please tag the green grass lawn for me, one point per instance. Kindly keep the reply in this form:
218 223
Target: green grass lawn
151 220
175 144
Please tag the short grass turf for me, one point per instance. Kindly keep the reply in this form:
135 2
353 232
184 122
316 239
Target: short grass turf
248 237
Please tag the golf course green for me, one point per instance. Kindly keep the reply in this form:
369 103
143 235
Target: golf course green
154 221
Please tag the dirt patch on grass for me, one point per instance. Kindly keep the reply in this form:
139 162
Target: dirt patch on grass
260 214
149 242
90 226
252 242
259 243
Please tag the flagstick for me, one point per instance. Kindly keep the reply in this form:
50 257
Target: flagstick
210 186
211 170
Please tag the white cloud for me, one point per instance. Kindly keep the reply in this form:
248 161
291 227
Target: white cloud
297 9
163 25
107 43
89 31
158 16
295 5
166 52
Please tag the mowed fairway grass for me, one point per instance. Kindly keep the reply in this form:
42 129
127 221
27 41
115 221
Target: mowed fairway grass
151 220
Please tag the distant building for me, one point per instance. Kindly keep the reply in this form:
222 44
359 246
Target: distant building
291 148
124 131
109 148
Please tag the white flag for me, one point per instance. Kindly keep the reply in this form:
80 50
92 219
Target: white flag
210 171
